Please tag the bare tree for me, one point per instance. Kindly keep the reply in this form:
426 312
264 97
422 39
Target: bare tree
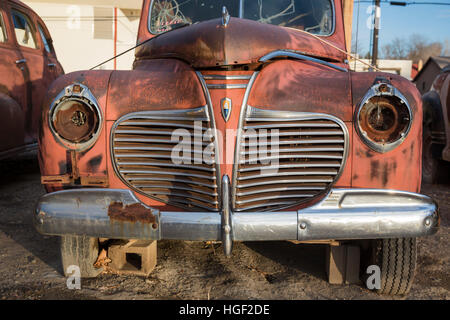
416 48
397 49
421 49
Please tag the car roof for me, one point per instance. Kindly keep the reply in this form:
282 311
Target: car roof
20 3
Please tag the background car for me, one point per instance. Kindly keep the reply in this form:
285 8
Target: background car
436 130
28 65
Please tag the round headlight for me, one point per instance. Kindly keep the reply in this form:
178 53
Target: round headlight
75 118
384 118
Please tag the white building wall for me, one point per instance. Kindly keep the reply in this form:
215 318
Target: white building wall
400 67
72 23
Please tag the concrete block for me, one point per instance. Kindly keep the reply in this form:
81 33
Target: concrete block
137 257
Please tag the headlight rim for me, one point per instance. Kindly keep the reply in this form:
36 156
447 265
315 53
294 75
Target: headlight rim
382 90
80 93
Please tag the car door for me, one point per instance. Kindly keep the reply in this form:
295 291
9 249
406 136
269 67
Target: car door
52 68
13 93
32 65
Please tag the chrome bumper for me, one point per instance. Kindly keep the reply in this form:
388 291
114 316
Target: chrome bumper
343 214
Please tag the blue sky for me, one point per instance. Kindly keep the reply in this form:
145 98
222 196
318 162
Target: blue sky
431 21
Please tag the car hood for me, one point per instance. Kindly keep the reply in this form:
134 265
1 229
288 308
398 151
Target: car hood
210 44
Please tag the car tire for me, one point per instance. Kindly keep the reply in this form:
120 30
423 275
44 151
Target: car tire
82 252
396 259
431 167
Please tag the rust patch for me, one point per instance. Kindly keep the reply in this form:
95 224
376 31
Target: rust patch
132 213
385 174
374 169
95 162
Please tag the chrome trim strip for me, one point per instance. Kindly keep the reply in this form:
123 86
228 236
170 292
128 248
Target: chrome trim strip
166 141
225 77
262 183
299 56
210 109
164 164
306 149
288 156
279 189
302 141
343 214
227 86
175 114
174 187
242 118
294 165
282 196
167 124
283 174
287 125
171 173
227 219
299 133
178 180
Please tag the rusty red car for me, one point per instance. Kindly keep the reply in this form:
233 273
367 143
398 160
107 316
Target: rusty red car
28 65
240 121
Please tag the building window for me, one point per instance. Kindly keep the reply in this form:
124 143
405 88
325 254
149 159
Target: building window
103 23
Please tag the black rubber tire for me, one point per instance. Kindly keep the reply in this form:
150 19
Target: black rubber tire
431 167
397 261
80 251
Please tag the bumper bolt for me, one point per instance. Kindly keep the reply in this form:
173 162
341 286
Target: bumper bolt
427 222
303 226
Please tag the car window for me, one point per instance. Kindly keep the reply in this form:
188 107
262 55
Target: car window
45 40
24 30
2 29
314 16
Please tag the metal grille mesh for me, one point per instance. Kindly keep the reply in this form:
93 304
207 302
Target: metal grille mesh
143 154
304 155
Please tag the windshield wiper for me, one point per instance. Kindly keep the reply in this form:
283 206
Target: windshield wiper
300 56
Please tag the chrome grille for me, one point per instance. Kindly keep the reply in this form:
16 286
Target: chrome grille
307 152
142 153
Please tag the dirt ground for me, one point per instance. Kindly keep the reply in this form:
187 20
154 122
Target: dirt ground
30 266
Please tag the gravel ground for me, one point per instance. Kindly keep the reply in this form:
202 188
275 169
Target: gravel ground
30 266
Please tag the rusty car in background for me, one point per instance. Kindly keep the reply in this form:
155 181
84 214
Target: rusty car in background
240 121
436 130
28 65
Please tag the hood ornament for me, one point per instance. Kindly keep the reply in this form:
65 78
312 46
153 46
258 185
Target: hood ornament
225 16
226 105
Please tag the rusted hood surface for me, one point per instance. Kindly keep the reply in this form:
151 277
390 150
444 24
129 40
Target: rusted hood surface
209 44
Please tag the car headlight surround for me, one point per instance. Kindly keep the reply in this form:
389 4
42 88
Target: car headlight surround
75 118
383 118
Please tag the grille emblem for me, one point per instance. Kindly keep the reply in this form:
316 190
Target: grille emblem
226 108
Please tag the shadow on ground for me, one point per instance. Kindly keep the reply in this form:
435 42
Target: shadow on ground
20 189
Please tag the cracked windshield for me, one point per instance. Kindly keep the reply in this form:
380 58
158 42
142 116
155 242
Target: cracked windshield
315 16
